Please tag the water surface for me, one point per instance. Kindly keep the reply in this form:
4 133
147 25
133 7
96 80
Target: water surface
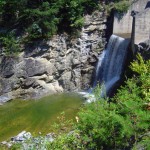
37 115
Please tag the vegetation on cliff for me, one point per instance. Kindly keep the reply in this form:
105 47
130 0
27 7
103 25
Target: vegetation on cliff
118 123
25 21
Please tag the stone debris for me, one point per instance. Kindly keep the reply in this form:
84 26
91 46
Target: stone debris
22 136
27 140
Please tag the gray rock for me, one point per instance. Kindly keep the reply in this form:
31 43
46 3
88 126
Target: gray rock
60 64
50 137
144 49
4 143
22 136
28 82
9 145
5 98
7 66
76 62
65 80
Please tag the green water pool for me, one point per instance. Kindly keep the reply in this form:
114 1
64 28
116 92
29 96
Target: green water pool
36 115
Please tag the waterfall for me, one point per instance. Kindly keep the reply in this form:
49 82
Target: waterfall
111 63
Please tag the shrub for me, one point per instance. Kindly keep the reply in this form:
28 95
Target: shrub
121 6
42 18
122 123
10 45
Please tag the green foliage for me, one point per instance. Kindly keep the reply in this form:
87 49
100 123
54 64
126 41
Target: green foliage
10 18
2 3
140 66
43 21
43 18
32 20
11 45
120 6
62 125
122 123
137 88
64 142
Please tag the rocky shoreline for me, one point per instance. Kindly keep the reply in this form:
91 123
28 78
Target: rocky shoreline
25 139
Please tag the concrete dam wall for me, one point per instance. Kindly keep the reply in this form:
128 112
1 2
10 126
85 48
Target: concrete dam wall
123 22
142 26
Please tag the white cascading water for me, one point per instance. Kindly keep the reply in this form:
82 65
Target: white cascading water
110 66
111 63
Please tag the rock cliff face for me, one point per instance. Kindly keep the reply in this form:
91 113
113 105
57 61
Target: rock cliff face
60 64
